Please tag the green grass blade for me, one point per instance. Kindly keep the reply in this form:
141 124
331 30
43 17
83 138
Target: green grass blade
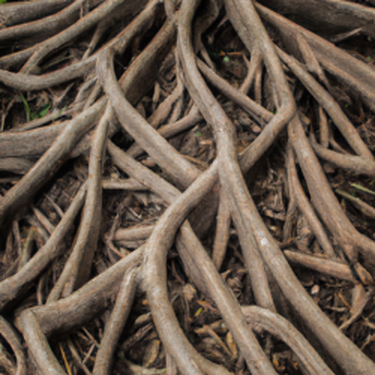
27 108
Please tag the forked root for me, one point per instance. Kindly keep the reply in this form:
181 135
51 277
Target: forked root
203 167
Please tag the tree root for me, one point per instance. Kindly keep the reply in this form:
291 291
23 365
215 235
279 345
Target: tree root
176 140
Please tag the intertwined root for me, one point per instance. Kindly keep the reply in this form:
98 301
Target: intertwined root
154 120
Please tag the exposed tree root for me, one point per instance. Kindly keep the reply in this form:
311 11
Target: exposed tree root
213 147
